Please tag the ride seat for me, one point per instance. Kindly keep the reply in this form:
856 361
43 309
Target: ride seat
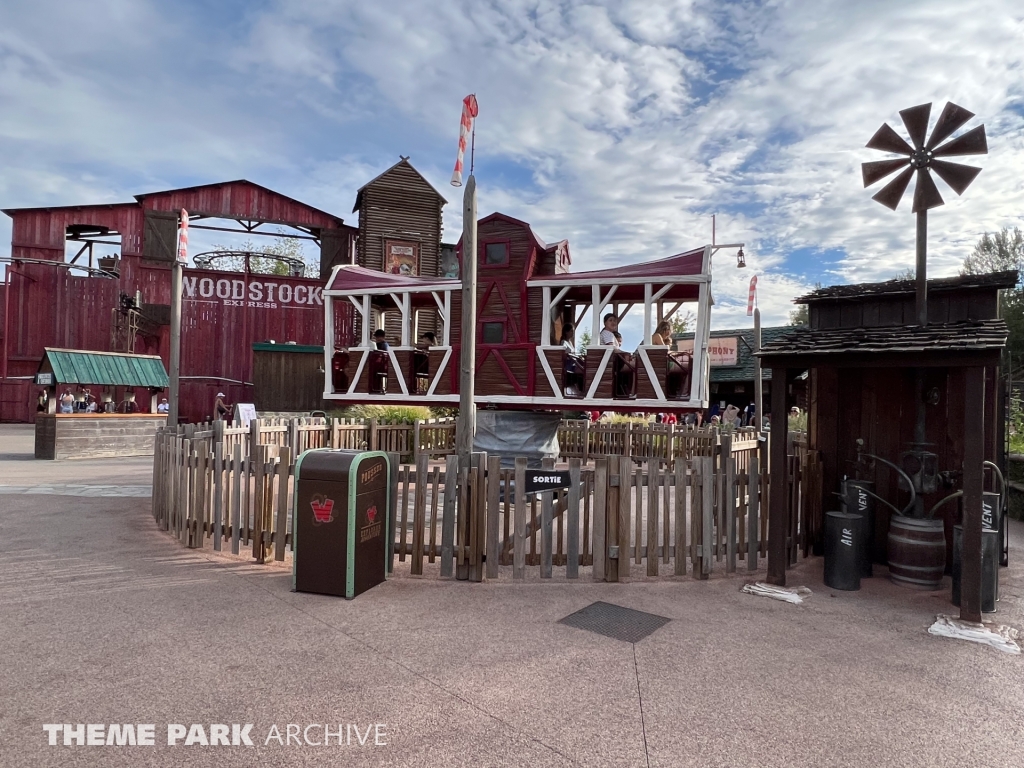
380 367
339 378
679 367
574 375
623 376
419 372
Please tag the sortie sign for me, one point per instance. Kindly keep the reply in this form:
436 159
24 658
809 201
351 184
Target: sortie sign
540 480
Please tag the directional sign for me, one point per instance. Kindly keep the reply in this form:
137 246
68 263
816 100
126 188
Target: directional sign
540 480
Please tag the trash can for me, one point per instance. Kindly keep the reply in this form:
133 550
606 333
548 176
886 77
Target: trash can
990 546
843 550
340 523
860 502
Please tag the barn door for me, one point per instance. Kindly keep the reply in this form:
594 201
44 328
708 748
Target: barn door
333 250
160 236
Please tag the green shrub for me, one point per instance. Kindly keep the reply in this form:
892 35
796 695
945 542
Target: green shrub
390 414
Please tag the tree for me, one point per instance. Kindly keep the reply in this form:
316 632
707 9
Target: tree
285 247
583 343
799 316
997 253
681 323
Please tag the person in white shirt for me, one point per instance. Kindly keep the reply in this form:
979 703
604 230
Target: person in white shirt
568 338
608 333
164 406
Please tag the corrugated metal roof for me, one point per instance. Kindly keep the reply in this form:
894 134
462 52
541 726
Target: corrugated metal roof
73 366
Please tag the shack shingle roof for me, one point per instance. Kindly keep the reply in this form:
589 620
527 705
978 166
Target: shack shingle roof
969 336
1006 279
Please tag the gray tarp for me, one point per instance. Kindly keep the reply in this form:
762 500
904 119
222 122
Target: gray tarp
517 433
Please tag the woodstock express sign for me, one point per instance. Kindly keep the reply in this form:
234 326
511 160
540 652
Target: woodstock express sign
265 294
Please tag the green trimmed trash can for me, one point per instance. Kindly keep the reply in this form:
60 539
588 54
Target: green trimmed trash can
341 528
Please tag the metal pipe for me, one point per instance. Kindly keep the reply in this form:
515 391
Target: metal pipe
922 268
910 485
953 495
1002 484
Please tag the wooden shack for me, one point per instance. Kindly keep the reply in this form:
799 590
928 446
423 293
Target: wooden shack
870 367
287 377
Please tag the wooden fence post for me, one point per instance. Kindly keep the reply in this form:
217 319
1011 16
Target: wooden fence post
281 527
218 492
451 491
236 499
729 500
519 542
572 520
259 457
419 515
546 509
493 510
394 463
601 501
680 516
753 511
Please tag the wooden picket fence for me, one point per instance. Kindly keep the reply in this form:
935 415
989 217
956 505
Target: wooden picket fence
618 515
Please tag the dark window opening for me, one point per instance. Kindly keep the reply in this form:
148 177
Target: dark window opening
495 254
493 333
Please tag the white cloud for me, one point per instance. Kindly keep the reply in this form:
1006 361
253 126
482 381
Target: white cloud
621 126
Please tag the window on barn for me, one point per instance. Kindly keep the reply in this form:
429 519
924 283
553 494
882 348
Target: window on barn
493 333
495 254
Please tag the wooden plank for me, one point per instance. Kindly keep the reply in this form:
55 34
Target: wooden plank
478 517
572 522
281 524
419 516
184 491
403 514
547 502
708 513
506 479
435 492
218 496
236 498
259 456
448 518
461 567
730 513
586 551
493 512
753 514
519 544
639 522
680 516
600 516
394 465
653 507
666 512
625 509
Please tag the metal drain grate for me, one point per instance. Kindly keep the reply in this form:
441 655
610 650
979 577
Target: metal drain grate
615 621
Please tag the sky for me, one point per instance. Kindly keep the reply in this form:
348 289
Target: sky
622 126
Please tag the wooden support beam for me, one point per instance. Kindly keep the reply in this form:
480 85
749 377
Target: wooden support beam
778 502
974 456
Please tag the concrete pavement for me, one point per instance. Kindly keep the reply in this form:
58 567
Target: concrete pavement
108 620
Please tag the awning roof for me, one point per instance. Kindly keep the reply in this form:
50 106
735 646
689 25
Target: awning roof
631 278
350 279
112 369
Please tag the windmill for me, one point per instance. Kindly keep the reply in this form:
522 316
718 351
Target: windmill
923 158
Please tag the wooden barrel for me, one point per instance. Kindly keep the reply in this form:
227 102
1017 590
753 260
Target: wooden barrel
917 552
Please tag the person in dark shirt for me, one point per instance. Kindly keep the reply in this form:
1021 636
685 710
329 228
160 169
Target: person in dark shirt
379 340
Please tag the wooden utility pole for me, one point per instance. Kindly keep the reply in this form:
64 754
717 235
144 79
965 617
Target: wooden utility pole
466 427
758 384
175 361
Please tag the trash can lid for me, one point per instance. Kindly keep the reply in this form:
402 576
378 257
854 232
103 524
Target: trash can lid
325 464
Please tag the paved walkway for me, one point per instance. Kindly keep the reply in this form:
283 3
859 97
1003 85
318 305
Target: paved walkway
108 620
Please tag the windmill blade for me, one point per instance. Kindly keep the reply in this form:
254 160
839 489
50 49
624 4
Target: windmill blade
890 194
926 194
887 140
916 120
878 170
950 120
959 177
971 143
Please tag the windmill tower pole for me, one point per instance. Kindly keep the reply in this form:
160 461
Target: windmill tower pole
922 268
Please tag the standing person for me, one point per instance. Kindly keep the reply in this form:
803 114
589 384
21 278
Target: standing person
42 402
662 335
164 406
611 331
379 340
67 402
221 410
